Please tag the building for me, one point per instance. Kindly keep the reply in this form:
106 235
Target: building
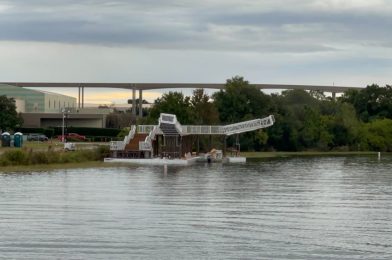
45 109
56 120
37 101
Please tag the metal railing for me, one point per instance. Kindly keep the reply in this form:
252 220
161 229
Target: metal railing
146 145
171 120
120 145
202 129
231 129
247 126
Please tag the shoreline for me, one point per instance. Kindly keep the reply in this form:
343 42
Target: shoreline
102 164
55 166
251 155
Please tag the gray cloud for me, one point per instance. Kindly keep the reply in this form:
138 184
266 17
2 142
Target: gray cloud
268 26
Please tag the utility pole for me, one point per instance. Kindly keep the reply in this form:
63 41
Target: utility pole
65 115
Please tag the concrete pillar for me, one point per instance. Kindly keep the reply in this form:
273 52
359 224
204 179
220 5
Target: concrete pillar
79 97
134 101
333 95
140 103
82 96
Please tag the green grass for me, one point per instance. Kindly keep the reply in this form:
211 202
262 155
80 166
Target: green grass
33 156
35 145
307 153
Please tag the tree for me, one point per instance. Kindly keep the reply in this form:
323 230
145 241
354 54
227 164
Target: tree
172 103
314 132
293 129
9 118
204 112
345 126
318 94
378 135
240 101
371 103
118 119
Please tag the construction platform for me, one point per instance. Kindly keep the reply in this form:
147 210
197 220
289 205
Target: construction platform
170 143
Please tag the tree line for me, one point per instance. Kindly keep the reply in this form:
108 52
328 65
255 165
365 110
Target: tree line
359 120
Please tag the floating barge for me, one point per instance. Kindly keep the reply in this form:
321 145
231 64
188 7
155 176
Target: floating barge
170 143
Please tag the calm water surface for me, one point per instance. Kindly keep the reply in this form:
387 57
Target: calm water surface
294 208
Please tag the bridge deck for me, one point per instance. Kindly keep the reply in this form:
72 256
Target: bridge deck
149 86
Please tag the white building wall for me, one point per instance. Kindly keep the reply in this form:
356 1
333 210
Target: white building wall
55 103
20 105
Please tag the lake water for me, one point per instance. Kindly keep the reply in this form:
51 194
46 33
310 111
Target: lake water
291 208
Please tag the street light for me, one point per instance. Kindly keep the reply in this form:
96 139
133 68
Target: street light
65 114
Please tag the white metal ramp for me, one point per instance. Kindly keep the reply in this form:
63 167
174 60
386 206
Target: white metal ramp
231 129
169 126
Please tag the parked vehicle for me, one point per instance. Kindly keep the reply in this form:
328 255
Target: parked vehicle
72 136
37 137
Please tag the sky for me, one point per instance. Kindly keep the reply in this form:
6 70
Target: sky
320 42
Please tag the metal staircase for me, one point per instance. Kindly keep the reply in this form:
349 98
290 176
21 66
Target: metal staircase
120 145
146 145
169 126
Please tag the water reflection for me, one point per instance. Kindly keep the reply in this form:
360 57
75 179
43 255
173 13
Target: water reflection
288 208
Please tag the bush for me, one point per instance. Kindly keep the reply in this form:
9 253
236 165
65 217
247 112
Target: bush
28 157
124 132
71 157
39 158
15 157
378 134
103 138
102 152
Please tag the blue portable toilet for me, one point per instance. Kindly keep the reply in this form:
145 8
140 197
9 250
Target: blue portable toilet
18 139
5 139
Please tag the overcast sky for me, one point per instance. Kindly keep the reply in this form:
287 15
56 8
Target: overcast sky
323 42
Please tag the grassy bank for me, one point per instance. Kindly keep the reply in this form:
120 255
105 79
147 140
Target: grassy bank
49 167
311 153
28 156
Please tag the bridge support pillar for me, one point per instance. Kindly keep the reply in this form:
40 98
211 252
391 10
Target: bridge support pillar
134 101
140 103
333 95
81 97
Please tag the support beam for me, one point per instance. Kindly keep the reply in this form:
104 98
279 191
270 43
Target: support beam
134 101
140 103
79 97
82 96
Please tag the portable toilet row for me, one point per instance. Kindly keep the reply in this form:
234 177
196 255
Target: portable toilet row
6 139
